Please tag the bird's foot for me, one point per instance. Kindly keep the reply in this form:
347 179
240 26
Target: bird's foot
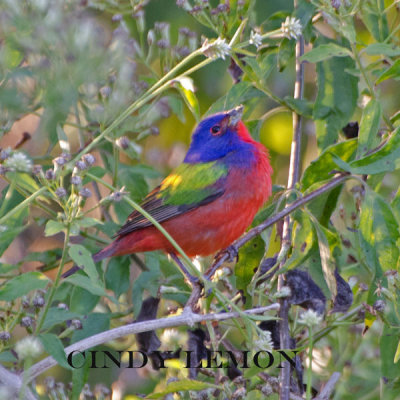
231 251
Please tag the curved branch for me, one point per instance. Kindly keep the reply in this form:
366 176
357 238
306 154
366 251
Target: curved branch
186 318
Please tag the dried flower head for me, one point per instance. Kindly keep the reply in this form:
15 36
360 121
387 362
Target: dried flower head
60 161
310 318
89 159
28 347
264 342
255 38
284 292
61 192
26 321
38 301
76 180
50 174
5 153
37 169
291 28
5 336
217 48
123 142
85 192
118 195
81 165
18 162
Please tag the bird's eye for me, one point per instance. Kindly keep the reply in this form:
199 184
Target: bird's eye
216 129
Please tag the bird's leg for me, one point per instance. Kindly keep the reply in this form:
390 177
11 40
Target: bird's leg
184 270
232 252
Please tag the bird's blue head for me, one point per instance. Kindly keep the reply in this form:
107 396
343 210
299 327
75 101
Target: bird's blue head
217 136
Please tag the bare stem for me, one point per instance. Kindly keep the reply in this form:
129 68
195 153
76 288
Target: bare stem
187 318
329 387
294 174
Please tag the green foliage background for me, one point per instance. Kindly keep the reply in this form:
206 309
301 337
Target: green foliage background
82 79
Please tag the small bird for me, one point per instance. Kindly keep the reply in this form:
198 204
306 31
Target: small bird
209 200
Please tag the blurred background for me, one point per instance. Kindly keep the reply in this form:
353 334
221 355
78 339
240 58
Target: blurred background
71 67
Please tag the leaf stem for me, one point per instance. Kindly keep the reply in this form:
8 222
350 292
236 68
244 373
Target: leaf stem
56 281
22 205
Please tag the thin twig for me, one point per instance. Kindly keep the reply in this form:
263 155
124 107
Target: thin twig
329 387
103 210
294 174
187 318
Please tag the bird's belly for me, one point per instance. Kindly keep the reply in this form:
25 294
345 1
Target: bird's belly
208 228
212 227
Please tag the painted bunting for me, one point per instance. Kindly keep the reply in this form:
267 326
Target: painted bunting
209 200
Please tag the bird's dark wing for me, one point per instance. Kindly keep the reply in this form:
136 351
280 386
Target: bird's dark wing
188 187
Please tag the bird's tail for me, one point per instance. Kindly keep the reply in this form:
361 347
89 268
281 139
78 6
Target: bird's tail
101 255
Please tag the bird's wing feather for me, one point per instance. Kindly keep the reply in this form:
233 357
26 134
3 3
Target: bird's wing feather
189 186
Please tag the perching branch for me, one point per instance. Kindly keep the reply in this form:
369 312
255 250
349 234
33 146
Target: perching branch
293 178
224 255
187 318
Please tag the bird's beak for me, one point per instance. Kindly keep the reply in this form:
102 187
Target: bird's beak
235 115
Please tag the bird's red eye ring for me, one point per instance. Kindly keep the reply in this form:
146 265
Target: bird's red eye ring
215 130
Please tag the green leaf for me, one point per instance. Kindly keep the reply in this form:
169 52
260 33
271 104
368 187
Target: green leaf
82 301
250 256
147 280
22 285
117 275
56 316
88 222
374 18
239 93
62 139
336 99
392 72
388 350
83 258
286 53
301 106
397 354
53 227
319 170
79 377
386 159
325 51
97 171
53 345
181 386
186 88
369 126
385 49
263 65
93 324
378 235
85 283
14 225
327 241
